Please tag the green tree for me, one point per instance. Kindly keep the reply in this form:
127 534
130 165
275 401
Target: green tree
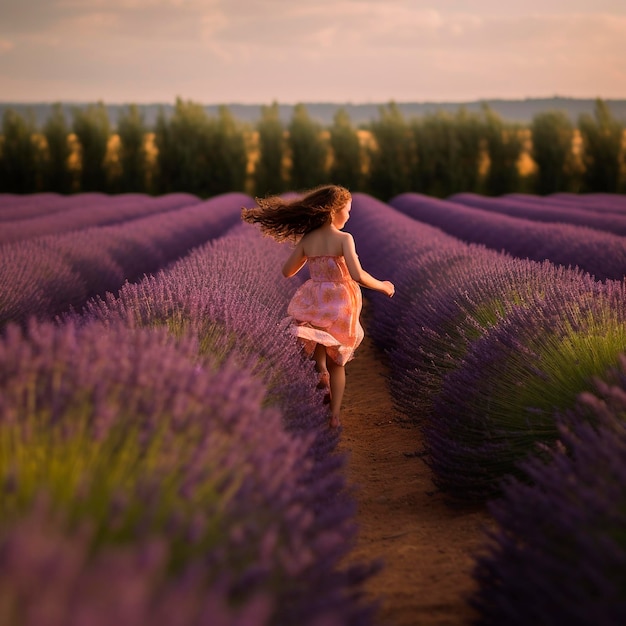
199 154
92 128
504 146
469 133
132 131
269 175
19 155
347 164
56 171
601 149
229 157
392 160
308 151
435 151
166 165
552 135
447 153
185 144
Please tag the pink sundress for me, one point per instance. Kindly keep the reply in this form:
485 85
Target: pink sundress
326 309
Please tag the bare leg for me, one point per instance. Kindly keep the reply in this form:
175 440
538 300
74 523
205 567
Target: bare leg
320 365
320 358
337 387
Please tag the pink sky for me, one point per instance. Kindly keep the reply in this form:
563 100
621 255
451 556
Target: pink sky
227 51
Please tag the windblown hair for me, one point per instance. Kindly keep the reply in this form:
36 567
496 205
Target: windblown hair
289 219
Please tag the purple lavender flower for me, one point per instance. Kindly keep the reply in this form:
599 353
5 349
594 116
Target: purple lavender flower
611 202
396 246
52 578
46 276
473 296
225 302
15 207
516 207
138 435
500 402
601 254
557 553
93 210
596 202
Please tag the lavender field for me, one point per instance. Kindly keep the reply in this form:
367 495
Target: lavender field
163 443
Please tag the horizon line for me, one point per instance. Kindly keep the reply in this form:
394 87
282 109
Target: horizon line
317 102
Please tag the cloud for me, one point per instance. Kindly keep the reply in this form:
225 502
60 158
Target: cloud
102 19
339 26
257 50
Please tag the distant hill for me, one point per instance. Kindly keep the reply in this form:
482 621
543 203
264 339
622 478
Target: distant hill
512 110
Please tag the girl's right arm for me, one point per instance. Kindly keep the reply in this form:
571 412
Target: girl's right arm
295 262
358 273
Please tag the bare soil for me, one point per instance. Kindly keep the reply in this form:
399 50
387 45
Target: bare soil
427 545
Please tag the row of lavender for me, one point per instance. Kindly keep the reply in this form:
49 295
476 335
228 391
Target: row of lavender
45 276
50 214
165 458
594 243
603 215
514 371
611 202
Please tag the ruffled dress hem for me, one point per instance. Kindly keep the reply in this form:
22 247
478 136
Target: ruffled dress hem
310 337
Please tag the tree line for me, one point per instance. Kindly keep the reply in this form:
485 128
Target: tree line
437 154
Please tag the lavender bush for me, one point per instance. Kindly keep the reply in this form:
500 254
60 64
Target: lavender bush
231 295
94 211
448 294
134 435
593 201
557 554
46 276
52 579
34 282
26 206
601 254
601 203
515 207
500 403
393 245
471 297
455 305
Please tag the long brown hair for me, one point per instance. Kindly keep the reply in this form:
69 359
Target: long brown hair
290 218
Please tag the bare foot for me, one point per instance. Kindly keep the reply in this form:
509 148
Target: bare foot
324 383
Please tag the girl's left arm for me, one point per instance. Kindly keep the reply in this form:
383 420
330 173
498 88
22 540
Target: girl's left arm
295 262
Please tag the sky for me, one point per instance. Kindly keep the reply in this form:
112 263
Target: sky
290 51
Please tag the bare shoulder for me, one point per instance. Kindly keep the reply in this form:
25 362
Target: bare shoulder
347 240
343 237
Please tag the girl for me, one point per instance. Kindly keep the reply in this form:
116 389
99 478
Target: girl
326 308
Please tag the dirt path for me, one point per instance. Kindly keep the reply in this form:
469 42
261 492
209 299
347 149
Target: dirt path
426 545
